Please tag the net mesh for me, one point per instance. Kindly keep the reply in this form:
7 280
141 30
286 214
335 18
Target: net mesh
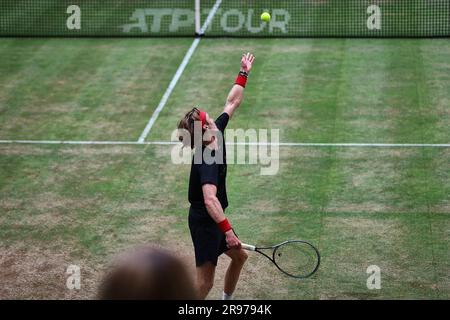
234 18
97 18
332 18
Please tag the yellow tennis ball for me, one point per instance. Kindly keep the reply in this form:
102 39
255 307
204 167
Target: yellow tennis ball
265 16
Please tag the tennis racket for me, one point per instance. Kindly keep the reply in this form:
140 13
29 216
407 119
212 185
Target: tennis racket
295 258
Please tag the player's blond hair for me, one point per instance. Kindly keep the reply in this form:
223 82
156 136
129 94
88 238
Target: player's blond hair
187 123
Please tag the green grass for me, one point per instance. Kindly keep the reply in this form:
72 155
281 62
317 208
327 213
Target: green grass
62 205
93 89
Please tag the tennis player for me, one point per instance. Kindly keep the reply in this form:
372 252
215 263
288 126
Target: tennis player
210 229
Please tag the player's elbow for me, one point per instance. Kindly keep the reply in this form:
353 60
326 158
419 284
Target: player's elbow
233 104
210 200
230 107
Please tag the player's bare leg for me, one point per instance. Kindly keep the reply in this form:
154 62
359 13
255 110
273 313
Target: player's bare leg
205 279
238 258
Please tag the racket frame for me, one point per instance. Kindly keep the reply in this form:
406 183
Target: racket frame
274 251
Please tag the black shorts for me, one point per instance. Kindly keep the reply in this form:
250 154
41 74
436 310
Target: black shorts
209 241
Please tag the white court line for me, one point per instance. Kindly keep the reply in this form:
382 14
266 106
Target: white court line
178 74
281 144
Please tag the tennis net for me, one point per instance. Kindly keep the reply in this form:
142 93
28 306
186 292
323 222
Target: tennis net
233 18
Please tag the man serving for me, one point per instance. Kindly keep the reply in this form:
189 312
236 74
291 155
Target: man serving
210 229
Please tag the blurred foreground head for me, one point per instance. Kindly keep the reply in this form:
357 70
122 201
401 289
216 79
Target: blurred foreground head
147 273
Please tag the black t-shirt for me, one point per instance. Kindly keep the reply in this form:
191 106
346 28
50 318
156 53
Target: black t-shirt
204 173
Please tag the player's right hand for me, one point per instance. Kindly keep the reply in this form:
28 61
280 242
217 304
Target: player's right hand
232 241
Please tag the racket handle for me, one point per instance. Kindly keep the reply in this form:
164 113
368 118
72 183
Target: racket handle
248 247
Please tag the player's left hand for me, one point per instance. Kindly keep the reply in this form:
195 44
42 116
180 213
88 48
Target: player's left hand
247 62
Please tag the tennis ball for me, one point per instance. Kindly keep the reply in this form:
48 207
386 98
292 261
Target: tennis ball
265 16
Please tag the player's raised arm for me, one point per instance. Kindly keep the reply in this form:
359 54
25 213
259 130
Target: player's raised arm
236 94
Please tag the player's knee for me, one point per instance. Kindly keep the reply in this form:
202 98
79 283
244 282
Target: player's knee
206 285
244 255
241 257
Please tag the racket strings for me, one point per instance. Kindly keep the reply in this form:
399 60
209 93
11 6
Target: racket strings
298 259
